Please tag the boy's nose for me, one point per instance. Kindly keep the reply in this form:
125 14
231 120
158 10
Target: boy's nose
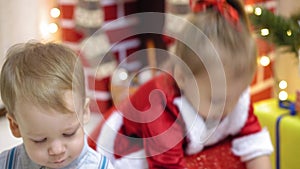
56 148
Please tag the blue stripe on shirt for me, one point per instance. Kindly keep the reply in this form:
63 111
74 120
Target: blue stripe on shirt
11 158
103 164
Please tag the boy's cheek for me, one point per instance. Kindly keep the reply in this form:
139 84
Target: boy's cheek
35 153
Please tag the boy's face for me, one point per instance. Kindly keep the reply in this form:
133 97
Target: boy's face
53 139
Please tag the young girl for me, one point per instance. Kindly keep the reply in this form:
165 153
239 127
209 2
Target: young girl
167 121
42 88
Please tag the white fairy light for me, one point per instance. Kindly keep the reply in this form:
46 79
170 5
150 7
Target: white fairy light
54 12
249 8
123 75
264 61
52 28
257 11
283 95
264 32
282 84
289 33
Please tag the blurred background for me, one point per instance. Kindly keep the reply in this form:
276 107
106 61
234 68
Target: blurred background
73 22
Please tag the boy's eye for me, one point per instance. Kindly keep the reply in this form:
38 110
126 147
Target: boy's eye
40 141
69 134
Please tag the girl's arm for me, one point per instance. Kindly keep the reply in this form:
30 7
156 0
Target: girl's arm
261 162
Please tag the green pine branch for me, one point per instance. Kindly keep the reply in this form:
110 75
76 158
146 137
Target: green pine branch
278 28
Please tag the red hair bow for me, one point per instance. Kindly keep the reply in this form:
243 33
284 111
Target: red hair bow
222 6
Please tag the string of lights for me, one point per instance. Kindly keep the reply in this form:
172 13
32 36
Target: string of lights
49 26
280 31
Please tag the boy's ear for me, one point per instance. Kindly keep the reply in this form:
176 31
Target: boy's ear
86 112
14 127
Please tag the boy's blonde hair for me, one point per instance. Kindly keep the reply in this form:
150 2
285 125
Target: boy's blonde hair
232 42
40 74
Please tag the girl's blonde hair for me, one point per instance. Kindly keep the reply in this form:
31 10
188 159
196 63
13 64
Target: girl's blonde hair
40 74
232 42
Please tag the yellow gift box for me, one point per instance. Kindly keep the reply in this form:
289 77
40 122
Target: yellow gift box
287 143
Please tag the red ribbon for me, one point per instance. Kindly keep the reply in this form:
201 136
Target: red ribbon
222 6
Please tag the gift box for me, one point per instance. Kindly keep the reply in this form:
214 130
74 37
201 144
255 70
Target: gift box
284 128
